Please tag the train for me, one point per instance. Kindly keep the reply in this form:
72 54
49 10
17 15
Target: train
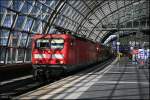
57 54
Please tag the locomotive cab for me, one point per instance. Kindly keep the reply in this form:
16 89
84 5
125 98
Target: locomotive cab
48 54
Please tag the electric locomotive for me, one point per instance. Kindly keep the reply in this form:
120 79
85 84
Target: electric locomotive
56 54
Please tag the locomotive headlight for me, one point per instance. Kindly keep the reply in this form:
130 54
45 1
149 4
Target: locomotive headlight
61 62
49 51
36 62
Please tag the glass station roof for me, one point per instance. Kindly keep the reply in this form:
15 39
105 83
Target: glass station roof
20 19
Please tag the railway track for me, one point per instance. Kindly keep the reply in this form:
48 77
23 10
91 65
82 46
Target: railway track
18 86
23 85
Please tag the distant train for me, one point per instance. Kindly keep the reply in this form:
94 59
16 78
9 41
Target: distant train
56 54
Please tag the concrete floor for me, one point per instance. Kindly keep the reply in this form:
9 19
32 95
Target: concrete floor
120 80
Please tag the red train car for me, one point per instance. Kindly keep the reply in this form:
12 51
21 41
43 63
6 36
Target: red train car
61 53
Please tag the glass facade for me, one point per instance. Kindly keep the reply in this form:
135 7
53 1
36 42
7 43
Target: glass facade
20 19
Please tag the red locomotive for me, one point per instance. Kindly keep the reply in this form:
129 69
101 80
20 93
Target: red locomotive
54 54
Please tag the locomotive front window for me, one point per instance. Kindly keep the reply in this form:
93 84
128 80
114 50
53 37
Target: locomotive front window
42 43
57 43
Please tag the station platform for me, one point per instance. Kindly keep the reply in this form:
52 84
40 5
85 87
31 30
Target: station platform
11 71
120 80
